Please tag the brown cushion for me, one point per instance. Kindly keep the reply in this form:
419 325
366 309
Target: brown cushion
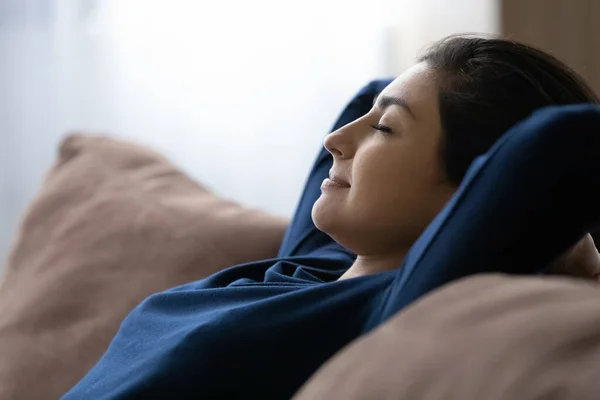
113 223
488 337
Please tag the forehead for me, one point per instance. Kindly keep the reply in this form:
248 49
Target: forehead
417 86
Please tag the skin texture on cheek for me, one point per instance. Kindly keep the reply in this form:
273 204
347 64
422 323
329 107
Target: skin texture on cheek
398 192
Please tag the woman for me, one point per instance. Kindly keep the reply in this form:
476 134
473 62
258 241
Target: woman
397 156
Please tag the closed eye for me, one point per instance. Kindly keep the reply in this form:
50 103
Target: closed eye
382 128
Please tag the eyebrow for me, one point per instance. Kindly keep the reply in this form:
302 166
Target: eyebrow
384 102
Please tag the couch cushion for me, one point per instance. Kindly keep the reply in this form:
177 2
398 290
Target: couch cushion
486 337
112 224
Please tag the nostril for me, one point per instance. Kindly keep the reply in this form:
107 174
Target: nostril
335 152
330 145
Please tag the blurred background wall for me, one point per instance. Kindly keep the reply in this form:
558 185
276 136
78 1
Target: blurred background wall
238 93
569 29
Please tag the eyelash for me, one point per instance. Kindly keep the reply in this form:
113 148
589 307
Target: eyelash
382 128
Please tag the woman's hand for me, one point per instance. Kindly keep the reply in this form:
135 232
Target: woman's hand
582 260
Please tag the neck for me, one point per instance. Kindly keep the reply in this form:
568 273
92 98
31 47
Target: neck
368 265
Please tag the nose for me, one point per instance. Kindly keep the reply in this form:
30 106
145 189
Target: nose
341 143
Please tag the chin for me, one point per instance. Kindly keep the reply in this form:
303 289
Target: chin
330 218
324 215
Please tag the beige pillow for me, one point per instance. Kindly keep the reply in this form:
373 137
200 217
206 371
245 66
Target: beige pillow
113 223
488 337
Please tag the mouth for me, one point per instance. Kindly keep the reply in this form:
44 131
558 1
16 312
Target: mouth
334 181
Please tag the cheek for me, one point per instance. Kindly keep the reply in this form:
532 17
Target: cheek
395 185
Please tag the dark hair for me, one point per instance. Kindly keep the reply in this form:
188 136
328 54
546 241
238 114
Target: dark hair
489 84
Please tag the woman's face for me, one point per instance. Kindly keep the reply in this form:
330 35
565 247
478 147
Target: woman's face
388 163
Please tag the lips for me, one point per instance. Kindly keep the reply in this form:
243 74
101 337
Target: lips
334 181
